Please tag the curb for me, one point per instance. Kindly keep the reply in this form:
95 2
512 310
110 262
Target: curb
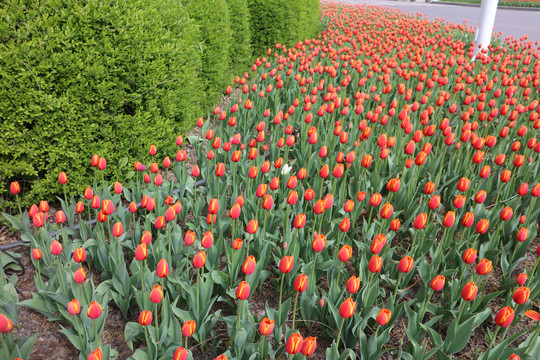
517 8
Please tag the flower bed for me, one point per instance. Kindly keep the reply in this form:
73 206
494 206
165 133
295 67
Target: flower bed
372 190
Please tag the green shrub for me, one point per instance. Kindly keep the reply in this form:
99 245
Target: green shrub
282 21
240 49
212 17
84 77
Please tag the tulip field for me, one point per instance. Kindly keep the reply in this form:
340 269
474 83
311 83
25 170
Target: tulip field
368 194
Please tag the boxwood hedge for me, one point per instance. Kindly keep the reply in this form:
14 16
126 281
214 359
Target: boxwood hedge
111 77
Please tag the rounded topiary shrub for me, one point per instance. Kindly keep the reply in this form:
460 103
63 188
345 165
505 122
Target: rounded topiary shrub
85 77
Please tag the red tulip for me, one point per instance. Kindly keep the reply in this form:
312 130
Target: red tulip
56 248
405 264
145 318
162 269
286 264
301 282
14 188
242 291
249 265
378 243
74 307
375 264
79 276
469 291
62 178
266 326
118 229
521 279
37 254
96 355
207 240
141 252
420 221
309 345
94 310
319 242
482 226
156 295
180 353
353 284
484 267
294 344
252 226
189 328
146 237
521 295
437 283
504 317
384 316
199 260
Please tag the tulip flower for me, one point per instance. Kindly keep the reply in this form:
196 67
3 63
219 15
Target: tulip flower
74 307
469 256
266 326
378 243
243 291
286 264
37 254
504 317
56 248
96 355
249 265
180 354
5 325
521 279
484 267
375 264
469 291
294 344
207 240
383 317
188 328
353 284
437 283
145 318
156 295
199 260
308 346
162 269
521 295
79 276
94 310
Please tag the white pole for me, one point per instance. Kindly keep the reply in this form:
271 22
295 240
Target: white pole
487 20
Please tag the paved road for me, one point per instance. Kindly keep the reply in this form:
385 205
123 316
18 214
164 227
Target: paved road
514 23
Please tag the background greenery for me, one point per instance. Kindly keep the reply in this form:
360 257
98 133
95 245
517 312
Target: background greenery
112 77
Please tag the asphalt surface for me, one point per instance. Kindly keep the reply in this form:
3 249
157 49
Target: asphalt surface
512 23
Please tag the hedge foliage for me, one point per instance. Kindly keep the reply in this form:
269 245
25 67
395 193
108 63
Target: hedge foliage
282 21
112 77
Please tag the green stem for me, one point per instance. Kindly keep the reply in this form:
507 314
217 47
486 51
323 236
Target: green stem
493 338
198 286
96 333
397 287
157 325
280 297
294 309
339 331
460 312
313 280
424 308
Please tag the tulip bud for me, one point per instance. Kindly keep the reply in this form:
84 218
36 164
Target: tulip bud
118 229
96 355
405 264
145 318
79 276
242 291
504 317
469 291
420 221
37 254
353 284
94 310
252 226
484 267
375 264
521 295
199 260
294 344
141 252
286 264
378 243
14 188
156 295
189 328
162 269
62 178
319 242
74 307
521 279
300 283
249 265
482 226
437 283
266 326
180 353
56 248
383 317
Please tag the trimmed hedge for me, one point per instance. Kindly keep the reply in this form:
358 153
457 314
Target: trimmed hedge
212 17
282 21
79 78
240 49
112 77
